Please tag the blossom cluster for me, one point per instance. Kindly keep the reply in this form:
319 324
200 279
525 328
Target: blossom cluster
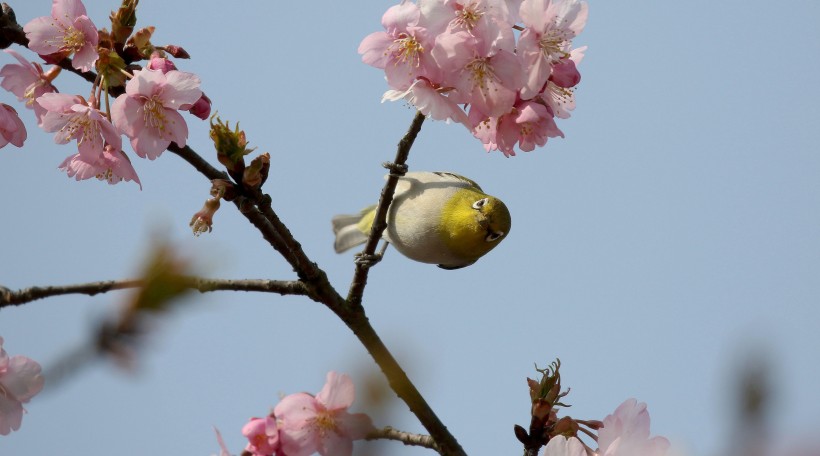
20 380
146 112
303 424
469 61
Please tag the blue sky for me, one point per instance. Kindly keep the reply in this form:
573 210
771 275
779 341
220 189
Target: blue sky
668 239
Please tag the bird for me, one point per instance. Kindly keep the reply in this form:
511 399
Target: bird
438 218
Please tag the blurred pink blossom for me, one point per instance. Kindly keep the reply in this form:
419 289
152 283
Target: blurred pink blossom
147 111
626 433
223 449
71 117
12 129
27 81
67 30
263 436
309 424
20 380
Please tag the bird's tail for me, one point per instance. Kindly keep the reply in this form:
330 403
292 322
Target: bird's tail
352 230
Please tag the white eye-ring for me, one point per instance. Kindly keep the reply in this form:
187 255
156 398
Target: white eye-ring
480 203
494 236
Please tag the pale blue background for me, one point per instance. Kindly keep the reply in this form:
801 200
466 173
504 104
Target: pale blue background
672 235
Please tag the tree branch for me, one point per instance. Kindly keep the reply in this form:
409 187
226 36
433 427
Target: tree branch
25 295
388 433
351 312
354 295
314 282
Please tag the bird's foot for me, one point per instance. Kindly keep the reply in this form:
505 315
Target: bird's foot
395 169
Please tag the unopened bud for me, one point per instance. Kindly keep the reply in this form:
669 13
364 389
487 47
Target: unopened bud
110 65
201 108
565 74
176 51
257 173
141 42
231 146
566 426
123 21
157 62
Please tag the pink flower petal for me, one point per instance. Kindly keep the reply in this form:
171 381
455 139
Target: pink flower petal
373 49
296 408
44 38
127 116
333 444
68 9
562 446
337 393
180 88
11 415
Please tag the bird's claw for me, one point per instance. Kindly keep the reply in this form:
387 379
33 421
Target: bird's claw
396 169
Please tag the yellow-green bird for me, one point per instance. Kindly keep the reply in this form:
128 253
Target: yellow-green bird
435 217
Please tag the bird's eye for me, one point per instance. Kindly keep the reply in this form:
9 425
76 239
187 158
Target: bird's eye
480 203
494 236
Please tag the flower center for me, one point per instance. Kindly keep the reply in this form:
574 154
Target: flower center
154 114
481 73
31 92
553 44
73 39
325 423
407 49
80 127
467 17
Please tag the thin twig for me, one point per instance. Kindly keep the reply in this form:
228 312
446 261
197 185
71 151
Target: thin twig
388 433
25 295
357 285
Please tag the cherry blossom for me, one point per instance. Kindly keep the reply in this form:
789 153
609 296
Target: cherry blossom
529 125
626 433
309 424
12 129
486 75
147 111
112 166
429 101
551 26
20 380
71 117
27 81
67 30
403 50
263 436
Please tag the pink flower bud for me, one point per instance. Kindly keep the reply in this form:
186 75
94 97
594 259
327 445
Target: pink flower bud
565 74
201 108
160 63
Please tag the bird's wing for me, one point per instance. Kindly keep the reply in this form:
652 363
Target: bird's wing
453 177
